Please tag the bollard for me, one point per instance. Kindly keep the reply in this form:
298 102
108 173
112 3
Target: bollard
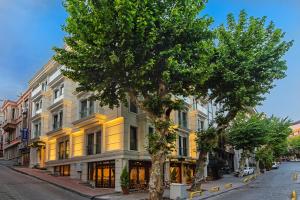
294 195
192 194
295 176
214 189
246 180
228 185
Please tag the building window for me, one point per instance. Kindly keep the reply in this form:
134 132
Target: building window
182 146
184 149
90 144
133 138
179 145
13 113
44 86
132 106
98 142
94 143
56 93
37 130
38 105
182 119
61 89
62 170
58 120
63 149
86 108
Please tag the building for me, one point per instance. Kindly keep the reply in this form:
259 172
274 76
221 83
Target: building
16 129
295 129
1 133
73 136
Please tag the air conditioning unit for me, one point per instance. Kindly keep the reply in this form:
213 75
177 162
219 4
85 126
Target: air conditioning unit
24 110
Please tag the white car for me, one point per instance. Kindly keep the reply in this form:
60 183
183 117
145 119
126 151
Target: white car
275 165
248 171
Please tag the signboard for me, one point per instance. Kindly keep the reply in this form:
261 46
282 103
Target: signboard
25 134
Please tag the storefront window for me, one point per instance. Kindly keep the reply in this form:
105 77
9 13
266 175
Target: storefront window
139 174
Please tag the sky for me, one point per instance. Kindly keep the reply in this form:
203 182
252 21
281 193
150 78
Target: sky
29 29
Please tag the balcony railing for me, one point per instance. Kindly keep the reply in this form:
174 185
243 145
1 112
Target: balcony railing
36 91
93 149
56 126
86 112
63 154
58 99
182 151
11 141
56 74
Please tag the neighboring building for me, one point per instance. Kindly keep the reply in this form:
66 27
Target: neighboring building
73 136
16 129
295 129
1 133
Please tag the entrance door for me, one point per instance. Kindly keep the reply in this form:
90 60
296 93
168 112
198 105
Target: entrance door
139 174
105 174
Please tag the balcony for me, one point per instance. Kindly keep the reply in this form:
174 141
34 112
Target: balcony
56 75
90 120
36 91
58 99
9 124
11 142
202 109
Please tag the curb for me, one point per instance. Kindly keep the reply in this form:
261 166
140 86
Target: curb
223 192
59 186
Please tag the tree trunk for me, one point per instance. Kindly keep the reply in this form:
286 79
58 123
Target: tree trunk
242 164
156 189
257 167
199 176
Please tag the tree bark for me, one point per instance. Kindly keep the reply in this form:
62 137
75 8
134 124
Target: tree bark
257 167
156 189
242 164
199 176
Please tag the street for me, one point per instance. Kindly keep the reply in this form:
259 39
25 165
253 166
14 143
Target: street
16 186
274 185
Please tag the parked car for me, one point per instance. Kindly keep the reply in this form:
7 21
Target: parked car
275 165
248 171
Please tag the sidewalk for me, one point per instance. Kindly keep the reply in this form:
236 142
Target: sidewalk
235 181
109 194
65 182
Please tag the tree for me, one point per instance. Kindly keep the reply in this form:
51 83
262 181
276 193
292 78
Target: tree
294 145
279 130
248 133
151 51
206 140
248 58
264 158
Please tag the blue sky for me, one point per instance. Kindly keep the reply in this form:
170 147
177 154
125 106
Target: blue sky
30 28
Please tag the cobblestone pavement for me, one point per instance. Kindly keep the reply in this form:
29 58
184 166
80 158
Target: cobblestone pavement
273 185
16 186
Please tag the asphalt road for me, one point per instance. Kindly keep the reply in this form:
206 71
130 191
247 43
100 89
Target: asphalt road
273 185
16 186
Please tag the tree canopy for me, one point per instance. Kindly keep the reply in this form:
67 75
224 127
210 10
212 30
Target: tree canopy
249 57
247 133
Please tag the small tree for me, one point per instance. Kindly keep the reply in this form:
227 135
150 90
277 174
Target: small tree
125 181
248 133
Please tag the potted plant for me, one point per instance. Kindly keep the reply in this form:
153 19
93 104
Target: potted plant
125 180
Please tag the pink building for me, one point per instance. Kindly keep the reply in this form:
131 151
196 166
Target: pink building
16 129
